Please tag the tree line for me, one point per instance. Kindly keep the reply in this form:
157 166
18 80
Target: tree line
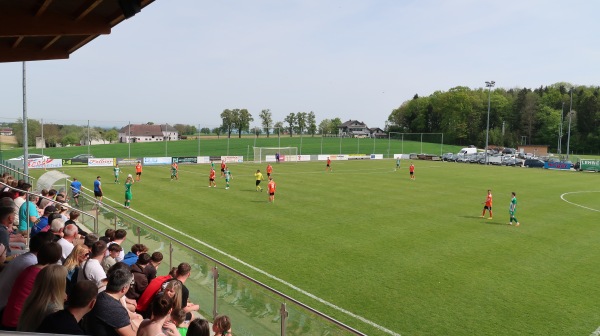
517 116
238 120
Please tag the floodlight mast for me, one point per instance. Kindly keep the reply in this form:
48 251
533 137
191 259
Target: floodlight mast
489 85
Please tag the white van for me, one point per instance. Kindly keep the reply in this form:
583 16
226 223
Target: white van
468 151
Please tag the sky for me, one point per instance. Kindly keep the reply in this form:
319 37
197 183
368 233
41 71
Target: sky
185 61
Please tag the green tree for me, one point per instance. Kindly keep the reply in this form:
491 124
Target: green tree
291 120
335 125
325 126
33 130
205 130
312 123
229 118
244 118
266 120
301 119
111 135
278 126
217 131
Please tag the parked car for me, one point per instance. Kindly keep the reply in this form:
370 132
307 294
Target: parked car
31 157
514 162
81 158
534 163
448 157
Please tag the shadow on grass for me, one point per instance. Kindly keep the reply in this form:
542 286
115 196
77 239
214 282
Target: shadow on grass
485 220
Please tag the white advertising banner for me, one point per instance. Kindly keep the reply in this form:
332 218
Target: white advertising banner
101 162
203 159
270 158
155 161
376 156
234 159
338 157
41 163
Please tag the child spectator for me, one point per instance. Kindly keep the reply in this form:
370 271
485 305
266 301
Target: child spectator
222 325
199 327
110 259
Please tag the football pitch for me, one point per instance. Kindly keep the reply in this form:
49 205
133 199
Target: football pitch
410 256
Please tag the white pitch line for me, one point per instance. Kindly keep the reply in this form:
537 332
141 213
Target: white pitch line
596 332
327 303
579 205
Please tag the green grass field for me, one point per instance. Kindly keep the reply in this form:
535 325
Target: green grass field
411 256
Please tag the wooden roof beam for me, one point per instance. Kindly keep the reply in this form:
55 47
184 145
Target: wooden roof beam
31 54
86 9
43 8
21 24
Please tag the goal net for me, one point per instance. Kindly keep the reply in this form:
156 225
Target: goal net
269 154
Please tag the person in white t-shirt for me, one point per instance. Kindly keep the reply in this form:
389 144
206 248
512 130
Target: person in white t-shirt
92 269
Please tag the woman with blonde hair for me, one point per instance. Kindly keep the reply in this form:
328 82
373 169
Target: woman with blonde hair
79 254
48 296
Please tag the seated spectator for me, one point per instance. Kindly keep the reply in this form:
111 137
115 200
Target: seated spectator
15 244
119 238
48 254
66 321
110 259
47 297
109 235
178 318
90 239
66 242
43 201
109 317
221 325
57 225
42 224
73 216
131 257
28 214
2 256
92 269
182 273
62 210
12 270
73 264
129 304
143 303
199 327
161 310
152 267
141 281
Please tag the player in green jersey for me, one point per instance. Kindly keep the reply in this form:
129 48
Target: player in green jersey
513 209
117 171
228 177
128 183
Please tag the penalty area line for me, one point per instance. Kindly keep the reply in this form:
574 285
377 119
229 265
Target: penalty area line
579 205
312 296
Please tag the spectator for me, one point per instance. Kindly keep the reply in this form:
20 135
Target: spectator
47 297
2 256
110 259
42 223
183 272
152 267
16 266
222 325
74 262
178 318
90 240
43 200
109 235
66 242
66 321
62 211
48 254
132 257
143 303
19 200
141 281
92 269
161 310
28 214
129 304
6 221
109 317
119 238
57 225
73 215
199 327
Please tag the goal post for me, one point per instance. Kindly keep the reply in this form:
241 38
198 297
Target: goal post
269 154
415 143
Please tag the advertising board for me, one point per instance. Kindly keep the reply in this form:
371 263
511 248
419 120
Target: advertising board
591 165
156 161
101 162
557 165
44 164
185 159
128 161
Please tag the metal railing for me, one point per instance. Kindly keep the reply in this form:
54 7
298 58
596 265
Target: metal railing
255 308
